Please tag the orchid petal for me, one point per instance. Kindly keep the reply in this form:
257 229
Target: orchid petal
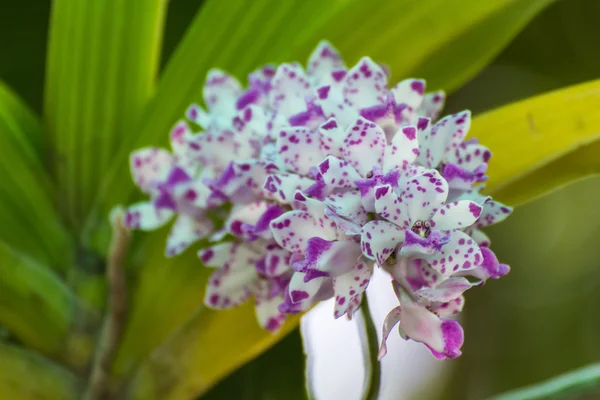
290 88
379 240
150 166
350 286
409 92
444 338
324 60
300 149
145 216
448 309
284 186
460 253
389 206
423 195
185 231
432 104
446 291
364 146
403 149
220 92
457 215
365 84
293 229
390 321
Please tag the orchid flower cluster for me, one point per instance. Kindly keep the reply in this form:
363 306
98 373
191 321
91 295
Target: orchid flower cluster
320 176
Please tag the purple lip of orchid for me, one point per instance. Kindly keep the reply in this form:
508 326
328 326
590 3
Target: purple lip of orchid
325 174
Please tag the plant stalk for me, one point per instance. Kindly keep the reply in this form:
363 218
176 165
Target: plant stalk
114 322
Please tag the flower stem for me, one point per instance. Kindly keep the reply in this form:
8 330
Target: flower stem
117 310
372 364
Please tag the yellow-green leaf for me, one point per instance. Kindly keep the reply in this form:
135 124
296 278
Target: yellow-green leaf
542 142
40 310
102 62
28 220
204 350
26 376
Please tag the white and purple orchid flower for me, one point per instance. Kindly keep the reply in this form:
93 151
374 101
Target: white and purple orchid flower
322 175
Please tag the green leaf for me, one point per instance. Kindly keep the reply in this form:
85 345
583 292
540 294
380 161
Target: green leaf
435 37
26 376
531 139
42 312
540 320
165 295
210 345
28 221
584 380
24 29
102 62
264 378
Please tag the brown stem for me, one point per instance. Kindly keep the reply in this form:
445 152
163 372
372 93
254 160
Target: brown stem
98 383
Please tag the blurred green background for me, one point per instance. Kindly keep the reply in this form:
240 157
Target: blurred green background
539 321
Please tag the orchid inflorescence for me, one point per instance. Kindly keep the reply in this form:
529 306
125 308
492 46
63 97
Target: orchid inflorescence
320 176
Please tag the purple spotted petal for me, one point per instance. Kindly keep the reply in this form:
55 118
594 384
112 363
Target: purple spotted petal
417 246
423 195
350 286
444 338
337 173
323 61
244 214
293 229
300 149
403 149
459 179
468 155
365 84
235 279
448 309
332 138
348 205
457 215
446 291
333 257
365 145
489 268
409 92
368 187
388 205
262 226
200 116
283 187
459 254
379 240
186 231
480 238
446 134
150 166
276 261
432 104
492 213
302 291
180 137
220 92
290 87
145 216
457 128
267 306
